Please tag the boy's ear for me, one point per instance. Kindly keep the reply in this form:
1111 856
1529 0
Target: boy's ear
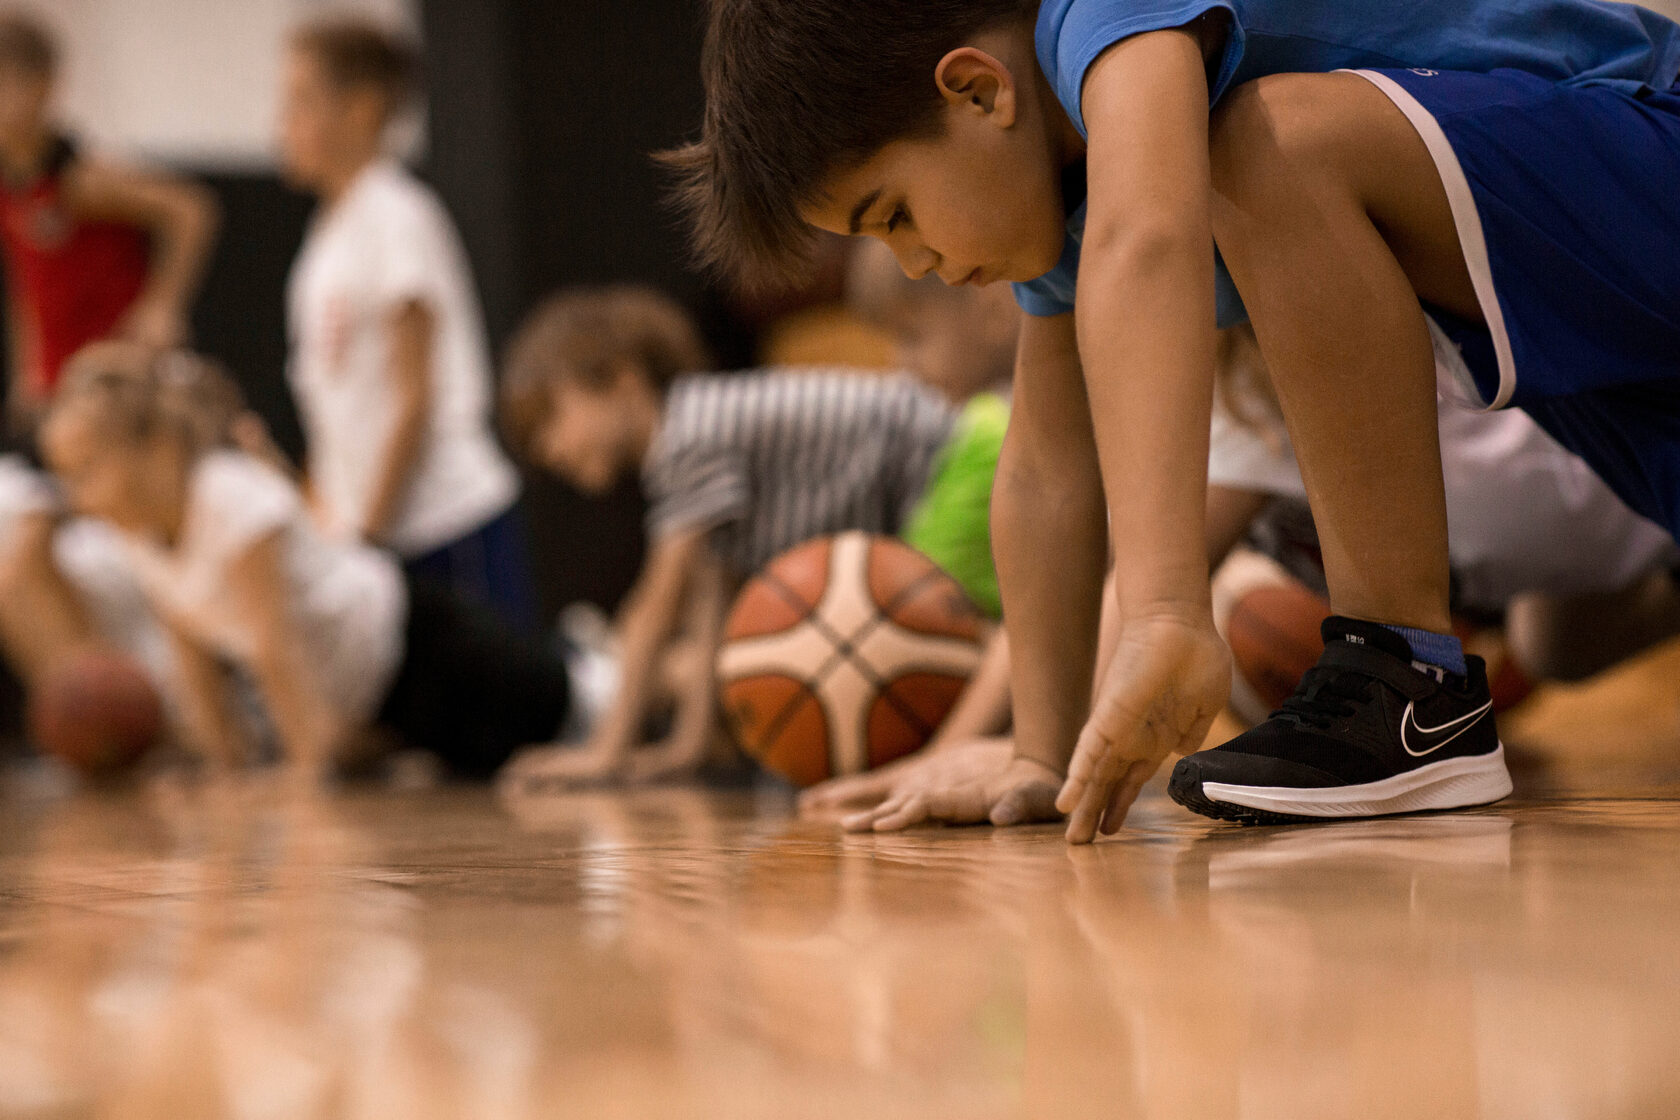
970 78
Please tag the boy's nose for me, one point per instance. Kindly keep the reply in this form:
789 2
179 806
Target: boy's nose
917 263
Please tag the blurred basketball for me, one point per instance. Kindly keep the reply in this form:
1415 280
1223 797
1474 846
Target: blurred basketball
844 654
96 710
1274 636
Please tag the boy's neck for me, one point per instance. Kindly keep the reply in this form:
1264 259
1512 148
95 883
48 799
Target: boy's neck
336 183
646 419
1068 144
23 156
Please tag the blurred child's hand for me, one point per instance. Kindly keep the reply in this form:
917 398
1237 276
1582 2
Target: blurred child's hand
155 323
669 761
1169 678
977 782
545 768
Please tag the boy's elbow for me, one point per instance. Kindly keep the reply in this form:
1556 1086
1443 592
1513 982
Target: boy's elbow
1148 242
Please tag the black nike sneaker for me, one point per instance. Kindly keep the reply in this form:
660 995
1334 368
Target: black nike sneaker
1367 733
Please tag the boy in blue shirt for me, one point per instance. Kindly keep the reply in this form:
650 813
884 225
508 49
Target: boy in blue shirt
1505 166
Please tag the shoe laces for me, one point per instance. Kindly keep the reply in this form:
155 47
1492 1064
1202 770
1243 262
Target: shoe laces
1325 696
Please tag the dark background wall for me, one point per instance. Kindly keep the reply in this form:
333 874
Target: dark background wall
542 115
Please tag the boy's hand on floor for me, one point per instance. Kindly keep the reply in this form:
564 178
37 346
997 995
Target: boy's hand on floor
670 761
870 788
1169 679
547 768
978 782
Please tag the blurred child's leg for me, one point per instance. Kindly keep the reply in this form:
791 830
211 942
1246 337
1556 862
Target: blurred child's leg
471 690
1333 222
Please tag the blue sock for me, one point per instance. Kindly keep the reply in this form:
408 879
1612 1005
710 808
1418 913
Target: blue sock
1434 651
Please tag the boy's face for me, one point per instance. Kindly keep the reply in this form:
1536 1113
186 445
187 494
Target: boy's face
588 438
980 201
323 127
99 480
24 96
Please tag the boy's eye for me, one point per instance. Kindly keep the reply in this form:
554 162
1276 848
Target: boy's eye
899 216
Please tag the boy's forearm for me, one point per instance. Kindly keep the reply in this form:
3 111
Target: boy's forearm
649 618
411 337
184 235
1151 356
707 616
1146 315
309 730
1050 607
204 715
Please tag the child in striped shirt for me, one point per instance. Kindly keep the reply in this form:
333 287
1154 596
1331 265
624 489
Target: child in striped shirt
737 469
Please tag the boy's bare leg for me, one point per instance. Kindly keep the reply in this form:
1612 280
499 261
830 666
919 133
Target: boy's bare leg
1333 222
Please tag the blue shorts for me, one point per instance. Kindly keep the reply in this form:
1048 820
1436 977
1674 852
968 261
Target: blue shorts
1567 202
490 566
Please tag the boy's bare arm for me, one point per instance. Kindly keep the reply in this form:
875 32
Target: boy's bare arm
1047 514
182 218
706 613
42 616
1146 337
206 721
412 329
23 406
646 623
1047 535
310 730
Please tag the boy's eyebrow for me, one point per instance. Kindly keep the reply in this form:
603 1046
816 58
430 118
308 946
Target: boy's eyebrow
861 209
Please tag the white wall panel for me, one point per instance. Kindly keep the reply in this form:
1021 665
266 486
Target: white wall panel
193 81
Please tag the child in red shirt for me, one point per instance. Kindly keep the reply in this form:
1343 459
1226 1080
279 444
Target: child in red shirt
91 249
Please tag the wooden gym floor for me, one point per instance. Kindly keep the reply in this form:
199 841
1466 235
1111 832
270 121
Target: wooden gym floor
670 954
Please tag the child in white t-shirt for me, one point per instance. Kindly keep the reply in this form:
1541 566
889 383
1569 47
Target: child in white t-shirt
335 636
389 361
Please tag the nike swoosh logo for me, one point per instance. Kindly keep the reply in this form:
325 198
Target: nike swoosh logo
1409 723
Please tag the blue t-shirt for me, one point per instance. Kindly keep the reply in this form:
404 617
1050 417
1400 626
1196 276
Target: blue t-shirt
1575 41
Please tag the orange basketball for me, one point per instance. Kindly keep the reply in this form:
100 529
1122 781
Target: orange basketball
1274 636
96 710
844 654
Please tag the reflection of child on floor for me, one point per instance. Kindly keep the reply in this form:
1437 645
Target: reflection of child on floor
389 363
738 469
93 249
334 635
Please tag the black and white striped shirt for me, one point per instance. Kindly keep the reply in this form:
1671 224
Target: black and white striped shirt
769 460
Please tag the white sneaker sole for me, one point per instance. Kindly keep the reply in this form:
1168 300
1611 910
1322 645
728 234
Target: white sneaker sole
1453 783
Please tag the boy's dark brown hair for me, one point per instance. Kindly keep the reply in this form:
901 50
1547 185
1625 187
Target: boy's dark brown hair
359 53
797 90
27 45
585 336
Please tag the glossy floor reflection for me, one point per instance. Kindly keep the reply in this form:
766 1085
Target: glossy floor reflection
177 954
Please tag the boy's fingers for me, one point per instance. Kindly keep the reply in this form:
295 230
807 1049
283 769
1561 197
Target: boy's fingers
1125 793
913 810
861 822
1087 756
842 792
